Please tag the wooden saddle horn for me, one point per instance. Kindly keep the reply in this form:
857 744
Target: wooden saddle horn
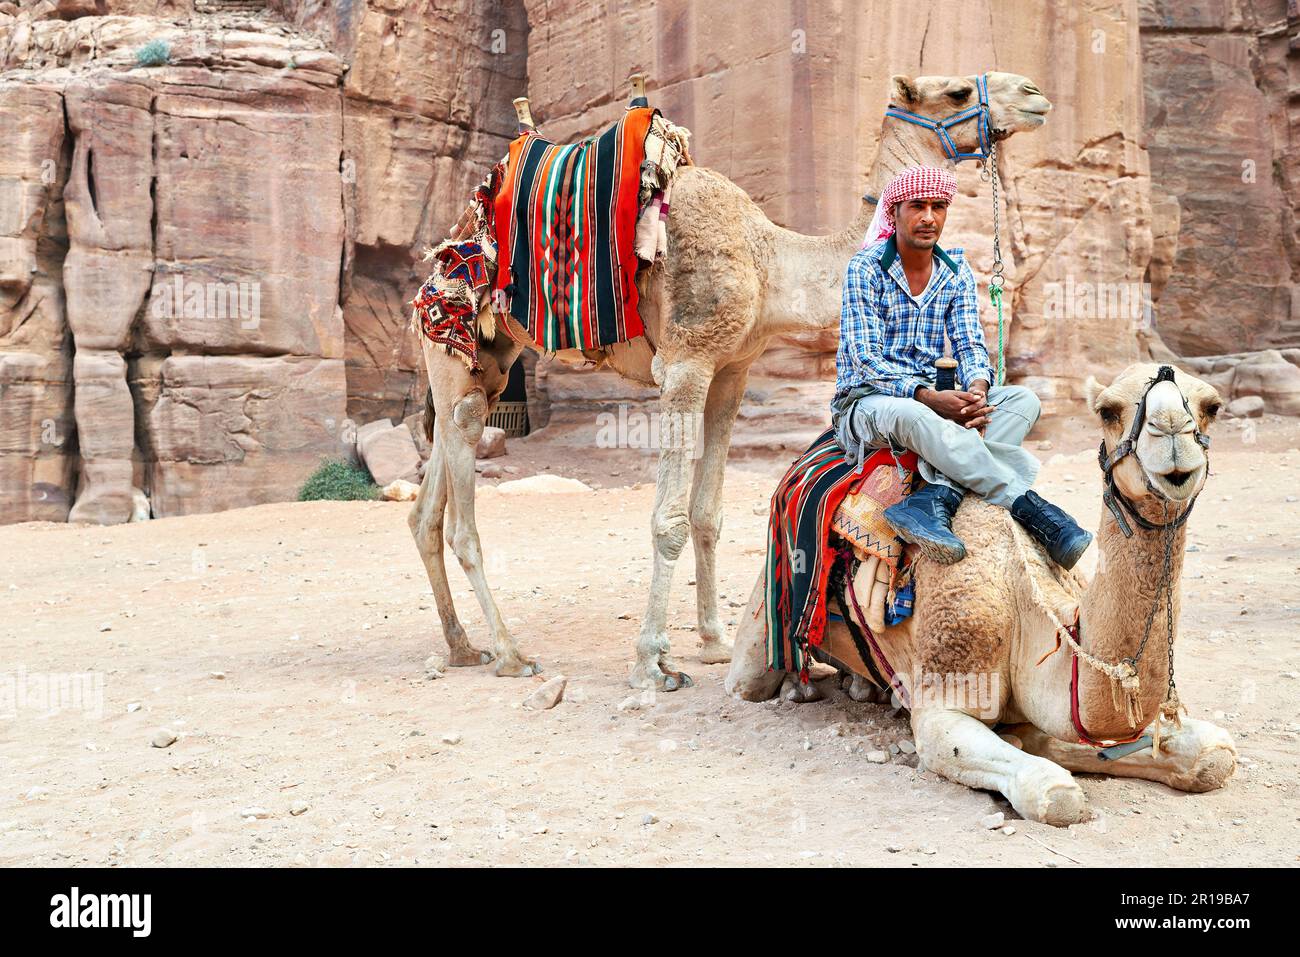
524 115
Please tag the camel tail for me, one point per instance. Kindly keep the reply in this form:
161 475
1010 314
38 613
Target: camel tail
428 414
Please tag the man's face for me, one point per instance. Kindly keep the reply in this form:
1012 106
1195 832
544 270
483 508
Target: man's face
920 222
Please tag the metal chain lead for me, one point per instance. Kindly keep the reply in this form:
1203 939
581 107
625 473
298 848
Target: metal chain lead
1166 586
1170 691
990 175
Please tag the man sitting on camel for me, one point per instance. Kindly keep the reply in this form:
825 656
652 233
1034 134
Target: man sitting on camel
902 293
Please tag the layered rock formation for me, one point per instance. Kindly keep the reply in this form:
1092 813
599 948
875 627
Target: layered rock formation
1221 82
205 262
786 98
200 265
243 225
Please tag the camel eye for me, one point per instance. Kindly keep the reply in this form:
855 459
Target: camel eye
959 96
1210 410
1110 414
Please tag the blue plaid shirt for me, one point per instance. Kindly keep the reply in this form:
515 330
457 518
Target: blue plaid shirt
889 342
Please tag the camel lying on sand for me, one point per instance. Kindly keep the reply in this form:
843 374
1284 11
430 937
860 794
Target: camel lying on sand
1000 616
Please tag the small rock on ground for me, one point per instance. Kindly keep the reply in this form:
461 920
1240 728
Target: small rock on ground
548 695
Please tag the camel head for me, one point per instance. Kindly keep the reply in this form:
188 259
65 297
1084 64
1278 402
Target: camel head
1167 461
1015 103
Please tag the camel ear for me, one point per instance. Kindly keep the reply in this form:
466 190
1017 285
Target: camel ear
1092 390
903 90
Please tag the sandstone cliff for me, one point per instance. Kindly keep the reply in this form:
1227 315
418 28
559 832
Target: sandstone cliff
212 211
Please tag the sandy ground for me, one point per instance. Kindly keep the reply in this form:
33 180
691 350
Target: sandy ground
284 645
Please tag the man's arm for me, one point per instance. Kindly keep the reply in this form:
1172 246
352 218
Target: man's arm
967 335
862 329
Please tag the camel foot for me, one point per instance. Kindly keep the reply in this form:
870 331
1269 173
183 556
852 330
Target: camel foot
517 667
860 689
659 675
469 657
1210 772
1048 795
792 689
714 651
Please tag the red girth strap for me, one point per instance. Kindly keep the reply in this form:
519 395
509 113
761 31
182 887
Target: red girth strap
1084 737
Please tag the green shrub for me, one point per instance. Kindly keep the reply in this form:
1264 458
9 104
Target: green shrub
339 482
154 53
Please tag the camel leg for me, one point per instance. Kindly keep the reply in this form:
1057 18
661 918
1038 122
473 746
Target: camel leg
749 677
459 434
1198 757
684 387
426 522
720 408
861 689
965 750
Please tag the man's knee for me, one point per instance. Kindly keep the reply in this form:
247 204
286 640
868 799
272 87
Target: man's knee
1022 400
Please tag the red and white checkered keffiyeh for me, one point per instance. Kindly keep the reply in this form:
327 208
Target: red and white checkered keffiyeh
915 182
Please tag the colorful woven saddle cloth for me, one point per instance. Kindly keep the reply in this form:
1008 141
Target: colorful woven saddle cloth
802 548
566 218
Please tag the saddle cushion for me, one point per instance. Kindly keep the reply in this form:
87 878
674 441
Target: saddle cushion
860 518
800 548
566 230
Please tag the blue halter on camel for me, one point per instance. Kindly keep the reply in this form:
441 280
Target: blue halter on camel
979 112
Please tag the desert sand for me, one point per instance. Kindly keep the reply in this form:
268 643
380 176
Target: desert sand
284 647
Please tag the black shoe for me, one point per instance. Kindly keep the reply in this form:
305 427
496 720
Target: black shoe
1061 535
925 519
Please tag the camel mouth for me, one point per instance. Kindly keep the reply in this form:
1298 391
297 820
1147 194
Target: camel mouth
1177 485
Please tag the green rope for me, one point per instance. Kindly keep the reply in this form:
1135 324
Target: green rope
995 296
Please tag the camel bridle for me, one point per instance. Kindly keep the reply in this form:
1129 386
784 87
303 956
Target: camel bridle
979 113
1115 500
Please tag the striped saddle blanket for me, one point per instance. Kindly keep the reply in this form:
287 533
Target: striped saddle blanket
806 508
566 218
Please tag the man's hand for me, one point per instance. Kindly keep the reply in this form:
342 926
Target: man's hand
978 413
968 409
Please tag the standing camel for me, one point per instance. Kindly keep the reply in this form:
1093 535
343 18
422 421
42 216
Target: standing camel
1004 630
731 281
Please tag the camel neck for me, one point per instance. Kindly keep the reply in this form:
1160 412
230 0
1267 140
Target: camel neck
1114 613
808 271
901 145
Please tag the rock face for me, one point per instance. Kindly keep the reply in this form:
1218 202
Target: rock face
1224 138
788 99
426 112
38 453
205 263
1254 382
